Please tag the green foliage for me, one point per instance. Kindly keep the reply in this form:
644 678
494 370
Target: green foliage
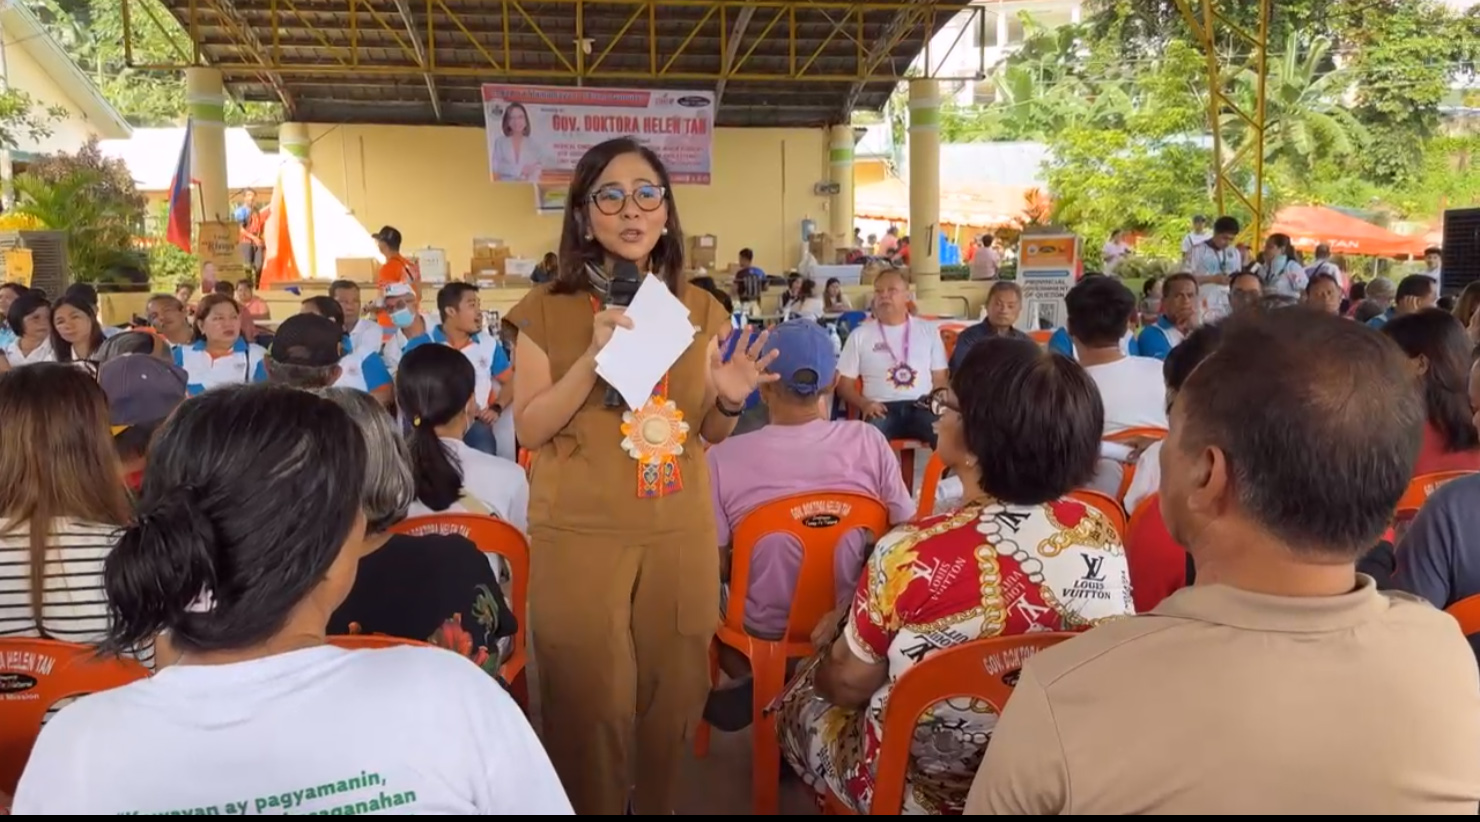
169 267
92 33
1137 268
1145 174
1406 54
1306 120
21 118
1353 98
90 197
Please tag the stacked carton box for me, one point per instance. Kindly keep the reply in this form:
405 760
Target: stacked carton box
490 258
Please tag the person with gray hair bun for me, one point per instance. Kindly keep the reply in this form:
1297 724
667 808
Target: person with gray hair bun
455 601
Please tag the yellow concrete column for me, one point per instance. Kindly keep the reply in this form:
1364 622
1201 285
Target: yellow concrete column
840 160
205 100
297 182
925 193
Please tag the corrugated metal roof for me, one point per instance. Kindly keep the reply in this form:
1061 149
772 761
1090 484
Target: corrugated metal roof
374 65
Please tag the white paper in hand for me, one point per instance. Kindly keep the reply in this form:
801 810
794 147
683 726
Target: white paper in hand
635 359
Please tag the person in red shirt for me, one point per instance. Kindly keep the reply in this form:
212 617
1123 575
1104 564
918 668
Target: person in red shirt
1437 345
1159 566
252 220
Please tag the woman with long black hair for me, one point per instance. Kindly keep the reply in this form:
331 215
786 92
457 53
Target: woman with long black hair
624 587
435 389
76 334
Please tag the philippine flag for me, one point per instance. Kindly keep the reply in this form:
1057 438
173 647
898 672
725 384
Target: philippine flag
177 231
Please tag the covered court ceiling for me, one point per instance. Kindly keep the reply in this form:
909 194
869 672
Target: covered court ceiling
771 62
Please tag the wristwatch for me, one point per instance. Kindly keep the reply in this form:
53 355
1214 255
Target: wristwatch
497 409
720 406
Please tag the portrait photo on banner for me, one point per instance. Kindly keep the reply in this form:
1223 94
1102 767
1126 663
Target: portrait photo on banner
536 134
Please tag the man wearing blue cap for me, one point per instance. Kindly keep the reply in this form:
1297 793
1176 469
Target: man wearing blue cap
801 451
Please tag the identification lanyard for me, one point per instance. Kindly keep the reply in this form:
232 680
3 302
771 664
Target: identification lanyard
890 349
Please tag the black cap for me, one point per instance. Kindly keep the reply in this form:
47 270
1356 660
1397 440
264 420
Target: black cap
388 235
307 340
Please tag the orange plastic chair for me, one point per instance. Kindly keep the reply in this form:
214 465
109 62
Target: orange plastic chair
1467 613
935 470
1128 471
1421 488
526 459
39 673
492 536
904 449
1107 505
948 334
1041 337
818 521
371 642
985 669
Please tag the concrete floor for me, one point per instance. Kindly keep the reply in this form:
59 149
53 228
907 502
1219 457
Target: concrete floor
720 782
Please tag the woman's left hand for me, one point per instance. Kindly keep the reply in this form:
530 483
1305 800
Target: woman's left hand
736 380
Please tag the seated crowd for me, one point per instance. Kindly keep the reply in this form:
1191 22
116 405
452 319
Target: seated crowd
1226 629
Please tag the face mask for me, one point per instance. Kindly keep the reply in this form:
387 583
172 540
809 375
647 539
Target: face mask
402 317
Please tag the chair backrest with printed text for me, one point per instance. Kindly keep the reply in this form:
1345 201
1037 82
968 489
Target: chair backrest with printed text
985 669
818 521
36 674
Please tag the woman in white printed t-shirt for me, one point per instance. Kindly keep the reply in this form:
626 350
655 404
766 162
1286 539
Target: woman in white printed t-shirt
260 715
30 320
435 390
221 356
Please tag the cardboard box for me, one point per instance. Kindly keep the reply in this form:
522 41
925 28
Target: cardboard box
357 269
822 248
485 246
703 251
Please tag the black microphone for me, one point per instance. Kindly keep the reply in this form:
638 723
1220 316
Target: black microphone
620 289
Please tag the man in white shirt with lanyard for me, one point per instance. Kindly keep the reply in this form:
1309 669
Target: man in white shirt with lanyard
900 359
1213 261
462 329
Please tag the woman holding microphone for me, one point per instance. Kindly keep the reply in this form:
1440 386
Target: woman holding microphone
624 588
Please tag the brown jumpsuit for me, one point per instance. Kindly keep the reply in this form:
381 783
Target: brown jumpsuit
624 591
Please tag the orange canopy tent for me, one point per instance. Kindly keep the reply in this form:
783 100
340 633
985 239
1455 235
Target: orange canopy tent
1309 226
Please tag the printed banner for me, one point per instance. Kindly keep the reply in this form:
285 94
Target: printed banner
216 244
1047 269
536 134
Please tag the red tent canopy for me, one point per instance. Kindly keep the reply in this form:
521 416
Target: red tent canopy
1309 226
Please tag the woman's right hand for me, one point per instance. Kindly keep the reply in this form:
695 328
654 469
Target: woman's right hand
603 325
